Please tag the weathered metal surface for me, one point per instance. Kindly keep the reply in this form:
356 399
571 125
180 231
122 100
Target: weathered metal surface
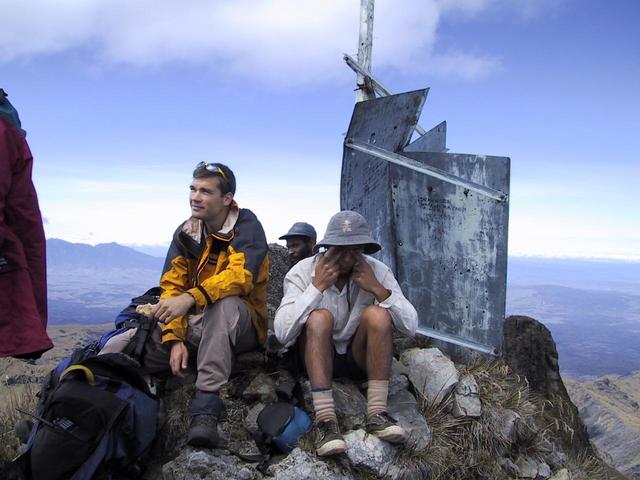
451 245
446 243
378 87
421 167
435 140
387 122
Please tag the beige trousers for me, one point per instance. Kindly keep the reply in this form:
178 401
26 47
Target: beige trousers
214 336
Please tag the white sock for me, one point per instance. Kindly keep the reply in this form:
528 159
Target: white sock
377 393
323 404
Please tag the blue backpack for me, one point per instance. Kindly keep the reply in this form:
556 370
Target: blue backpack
94 412
98 414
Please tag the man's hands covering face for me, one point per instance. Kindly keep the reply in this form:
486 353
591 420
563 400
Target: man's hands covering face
327 270
364 278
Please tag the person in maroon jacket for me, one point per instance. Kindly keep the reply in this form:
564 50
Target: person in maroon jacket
23 278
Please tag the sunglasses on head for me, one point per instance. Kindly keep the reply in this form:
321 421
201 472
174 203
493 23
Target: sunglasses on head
213 168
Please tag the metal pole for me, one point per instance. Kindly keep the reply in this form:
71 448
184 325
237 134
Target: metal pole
375 83
403 161
456 340
364 88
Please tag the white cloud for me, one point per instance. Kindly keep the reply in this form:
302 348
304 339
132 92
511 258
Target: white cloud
280 42
465 65
468 7
522 8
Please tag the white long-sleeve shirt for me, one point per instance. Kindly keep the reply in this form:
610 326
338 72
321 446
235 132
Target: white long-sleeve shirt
301 297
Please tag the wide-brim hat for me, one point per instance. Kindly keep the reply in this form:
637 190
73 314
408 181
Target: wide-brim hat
346 229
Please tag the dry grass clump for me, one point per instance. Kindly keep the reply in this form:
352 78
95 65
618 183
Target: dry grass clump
560 418
590 467
173 420
23 398
472 449
468 448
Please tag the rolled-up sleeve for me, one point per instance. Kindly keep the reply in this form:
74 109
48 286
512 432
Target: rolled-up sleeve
403 313
300 298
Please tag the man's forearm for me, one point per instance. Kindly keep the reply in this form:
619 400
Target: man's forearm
381 293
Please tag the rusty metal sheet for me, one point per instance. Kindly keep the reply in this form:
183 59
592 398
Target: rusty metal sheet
446 243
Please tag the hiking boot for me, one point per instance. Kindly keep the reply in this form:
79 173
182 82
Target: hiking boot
203 431
327 439
385 428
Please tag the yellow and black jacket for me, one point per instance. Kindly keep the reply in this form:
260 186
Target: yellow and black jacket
212 266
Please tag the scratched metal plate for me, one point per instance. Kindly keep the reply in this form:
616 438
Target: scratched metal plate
447 245
451 245
386 122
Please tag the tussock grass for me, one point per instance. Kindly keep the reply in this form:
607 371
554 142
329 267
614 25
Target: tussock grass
590 467
560 418
468 448
471 449
24 398
174 421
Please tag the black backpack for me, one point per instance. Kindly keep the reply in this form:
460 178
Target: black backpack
98 414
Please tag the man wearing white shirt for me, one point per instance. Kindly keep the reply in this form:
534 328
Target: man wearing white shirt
341 307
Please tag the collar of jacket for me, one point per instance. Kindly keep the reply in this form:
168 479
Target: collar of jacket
195 228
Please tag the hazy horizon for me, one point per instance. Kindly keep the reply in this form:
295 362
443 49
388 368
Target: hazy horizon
117 116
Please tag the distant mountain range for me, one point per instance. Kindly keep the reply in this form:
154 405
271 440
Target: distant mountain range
618 276
610 408
88 284
591 307
62 254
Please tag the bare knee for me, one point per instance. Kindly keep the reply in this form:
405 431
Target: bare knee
319 323
377 319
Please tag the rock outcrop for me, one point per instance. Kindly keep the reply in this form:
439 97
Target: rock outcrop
530 351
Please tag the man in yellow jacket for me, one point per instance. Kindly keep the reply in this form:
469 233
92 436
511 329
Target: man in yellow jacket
213 303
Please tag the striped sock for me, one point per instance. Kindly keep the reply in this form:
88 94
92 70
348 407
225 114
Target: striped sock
377 393
323 404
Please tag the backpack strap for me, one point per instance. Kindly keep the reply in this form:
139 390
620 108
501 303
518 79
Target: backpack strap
91 379
291 392
285 391
135 348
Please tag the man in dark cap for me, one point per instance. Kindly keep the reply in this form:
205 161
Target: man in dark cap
301 238
341 307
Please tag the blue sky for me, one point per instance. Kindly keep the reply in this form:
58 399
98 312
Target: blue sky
122 98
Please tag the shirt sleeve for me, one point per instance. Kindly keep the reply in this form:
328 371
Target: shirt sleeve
173 283
403 313
300 298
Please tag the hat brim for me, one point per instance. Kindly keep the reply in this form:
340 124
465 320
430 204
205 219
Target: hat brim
368 245
291 235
